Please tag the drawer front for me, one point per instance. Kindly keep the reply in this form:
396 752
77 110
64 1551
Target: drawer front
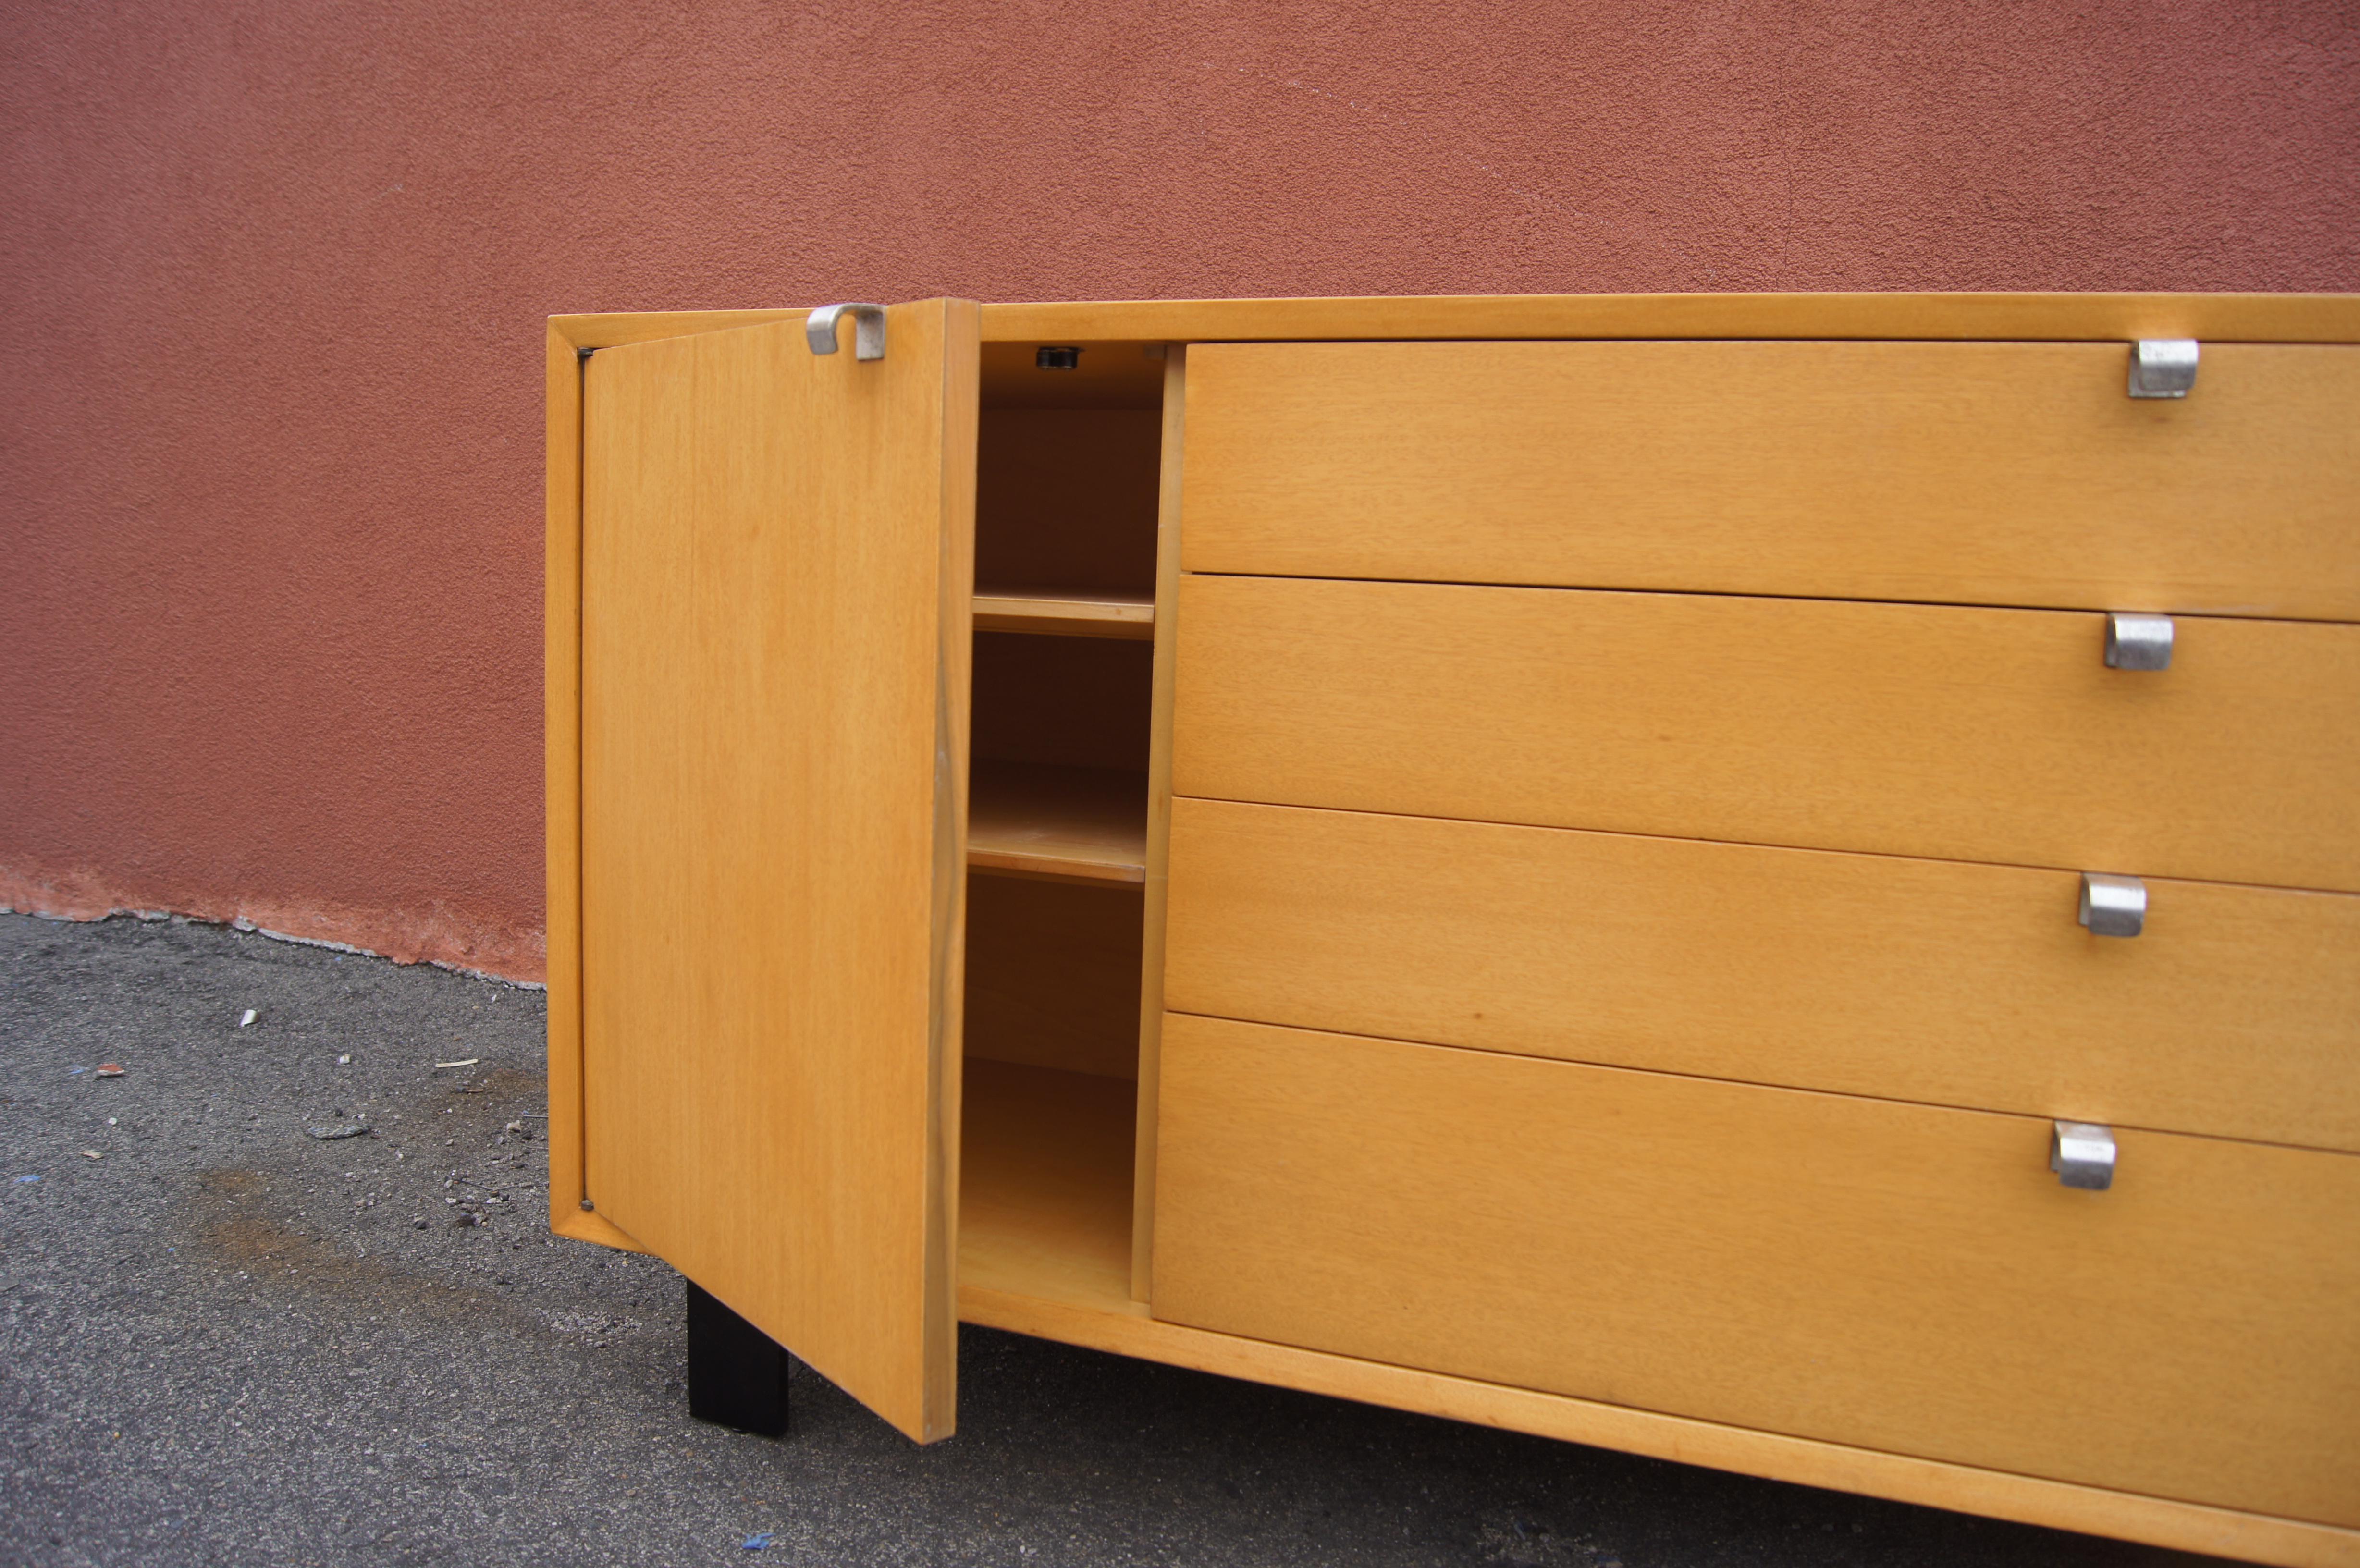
1924 730
1904 1278
2000 473
2236 1012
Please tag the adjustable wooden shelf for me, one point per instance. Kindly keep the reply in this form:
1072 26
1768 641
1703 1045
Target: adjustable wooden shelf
1107 613
1088 824
1772 881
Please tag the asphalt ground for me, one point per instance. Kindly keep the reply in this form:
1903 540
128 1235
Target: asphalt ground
225 1341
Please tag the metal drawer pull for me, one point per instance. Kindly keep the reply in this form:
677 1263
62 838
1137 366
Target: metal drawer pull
867 330
2137 642
2112 906
2083 1154
2163 367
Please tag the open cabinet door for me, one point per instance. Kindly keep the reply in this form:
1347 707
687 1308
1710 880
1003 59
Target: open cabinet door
777 572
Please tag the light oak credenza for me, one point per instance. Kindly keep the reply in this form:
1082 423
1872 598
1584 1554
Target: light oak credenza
1767 880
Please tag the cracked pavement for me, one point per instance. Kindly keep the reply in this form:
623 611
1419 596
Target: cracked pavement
225 1341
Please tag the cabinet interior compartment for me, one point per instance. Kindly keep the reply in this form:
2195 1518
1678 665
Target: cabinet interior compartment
1050 1070
1057 769
1067 473
1068 470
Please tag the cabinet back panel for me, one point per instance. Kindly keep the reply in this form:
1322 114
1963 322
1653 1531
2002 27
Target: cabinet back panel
1903 1278
1993 473
1065 498
2236 1012
1904 729
1077 702
1053 974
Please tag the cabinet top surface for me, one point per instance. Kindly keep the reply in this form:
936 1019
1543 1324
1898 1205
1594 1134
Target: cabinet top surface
2253 318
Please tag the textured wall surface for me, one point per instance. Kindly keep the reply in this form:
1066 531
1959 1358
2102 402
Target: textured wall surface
274 276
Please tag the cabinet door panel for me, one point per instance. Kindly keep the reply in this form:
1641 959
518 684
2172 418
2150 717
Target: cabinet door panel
1975 473
2236 1013
777 567
1902 1278
1904 729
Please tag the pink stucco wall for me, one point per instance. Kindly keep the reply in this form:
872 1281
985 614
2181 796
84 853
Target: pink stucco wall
274 276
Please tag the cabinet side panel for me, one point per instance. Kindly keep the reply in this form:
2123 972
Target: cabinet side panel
954 485
1159 815
561 787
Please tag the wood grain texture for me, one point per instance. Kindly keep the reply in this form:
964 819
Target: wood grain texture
1053 976
2247 317
1995 473
777 578
1897 1277
562 766
1067 612
1065 498
1085 823
603 329
1938 731
1045 1196
2030 317
942 1112
1159 813
2235 1013
1123 1327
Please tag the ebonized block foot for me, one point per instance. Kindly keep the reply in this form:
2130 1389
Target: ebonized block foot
737 1374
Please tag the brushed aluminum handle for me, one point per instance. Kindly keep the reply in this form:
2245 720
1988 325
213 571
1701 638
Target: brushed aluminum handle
2163 367
867 330
2137 642
2083 1154
2112 906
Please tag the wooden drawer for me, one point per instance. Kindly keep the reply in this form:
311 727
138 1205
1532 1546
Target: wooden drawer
1904 1278
1924 730
2000 473
2235 1013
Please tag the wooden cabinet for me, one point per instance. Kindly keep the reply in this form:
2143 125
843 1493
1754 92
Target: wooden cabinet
1527 859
